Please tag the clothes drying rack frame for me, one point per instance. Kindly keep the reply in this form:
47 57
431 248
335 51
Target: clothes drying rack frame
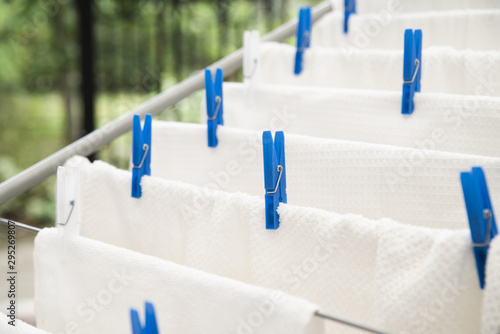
99 138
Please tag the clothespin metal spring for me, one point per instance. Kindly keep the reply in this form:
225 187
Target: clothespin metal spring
417 66
280 170
145 147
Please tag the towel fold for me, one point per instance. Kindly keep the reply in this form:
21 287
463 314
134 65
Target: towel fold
94 287
413 186
459 29
451 123
407 6
19 327
395 277
444 70
491 304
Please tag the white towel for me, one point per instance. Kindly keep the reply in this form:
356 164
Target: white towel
400 278
444 70
406 6
451 123
19 328
460 29
491 304
94 289
413 186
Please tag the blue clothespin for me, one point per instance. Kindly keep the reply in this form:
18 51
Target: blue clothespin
150 326
141 152
349 8
214 104
274 175
482 223
303 36
412 68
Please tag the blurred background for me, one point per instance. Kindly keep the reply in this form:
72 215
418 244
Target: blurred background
70 66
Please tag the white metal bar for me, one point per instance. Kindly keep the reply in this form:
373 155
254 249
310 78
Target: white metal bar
349 323
95 140
30 228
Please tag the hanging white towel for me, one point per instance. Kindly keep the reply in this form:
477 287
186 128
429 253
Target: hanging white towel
443 122
413 186
444 70
93 290
19 327
406 6
460 29
491 304
400 278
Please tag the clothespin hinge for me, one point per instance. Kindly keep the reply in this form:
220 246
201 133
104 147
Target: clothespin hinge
304 27
412 68
274 176
215 104
141 152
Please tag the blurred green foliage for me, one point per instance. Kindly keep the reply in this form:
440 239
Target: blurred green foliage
142 47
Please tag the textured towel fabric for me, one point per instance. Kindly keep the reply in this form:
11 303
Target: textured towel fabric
94 287
444 70
461 29
443 122
406 6
491 301
400 278
19 328
413 186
